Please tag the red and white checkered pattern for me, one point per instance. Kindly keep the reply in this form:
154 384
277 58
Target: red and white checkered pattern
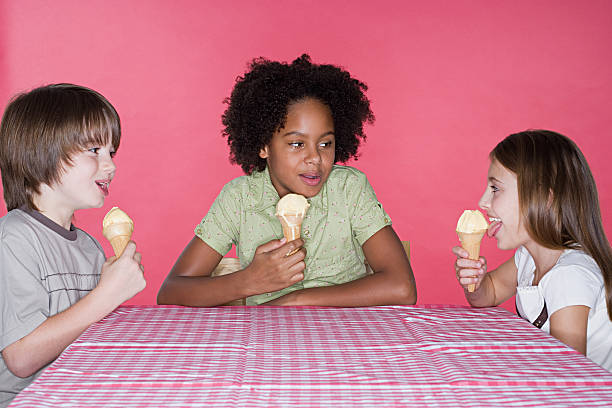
445 356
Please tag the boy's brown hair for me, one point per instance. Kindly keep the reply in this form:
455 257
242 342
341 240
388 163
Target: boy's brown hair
42 129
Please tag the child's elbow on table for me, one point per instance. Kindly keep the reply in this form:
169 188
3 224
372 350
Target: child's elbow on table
407 292
16 363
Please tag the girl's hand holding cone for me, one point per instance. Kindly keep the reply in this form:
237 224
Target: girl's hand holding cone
469 272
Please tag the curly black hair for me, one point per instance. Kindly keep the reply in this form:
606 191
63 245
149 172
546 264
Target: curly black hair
258 106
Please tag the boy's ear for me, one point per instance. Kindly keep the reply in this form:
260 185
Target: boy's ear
263 153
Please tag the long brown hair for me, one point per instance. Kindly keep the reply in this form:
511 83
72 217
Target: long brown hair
42 129
558 198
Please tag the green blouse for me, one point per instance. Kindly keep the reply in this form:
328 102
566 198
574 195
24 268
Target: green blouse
341 217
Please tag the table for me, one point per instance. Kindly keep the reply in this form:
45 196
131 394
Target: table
261 356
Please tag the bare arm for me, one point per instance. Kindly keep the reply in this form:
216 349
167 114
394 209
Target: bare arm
189 282
121 279
570 326
492 288
392 282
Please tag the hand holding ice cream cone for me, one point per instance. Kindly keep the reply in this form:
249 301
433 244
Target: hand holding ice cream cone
471 228
117 227
290 211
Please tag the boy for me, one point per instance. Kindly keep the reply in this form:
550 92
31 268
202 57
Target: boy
57 145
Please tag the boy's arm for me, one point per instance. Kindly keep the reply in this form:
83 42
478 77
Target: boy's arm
121 279
392 282
43 345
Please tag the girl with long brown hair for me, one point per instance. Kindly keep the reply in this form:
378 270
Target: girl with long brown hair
542 201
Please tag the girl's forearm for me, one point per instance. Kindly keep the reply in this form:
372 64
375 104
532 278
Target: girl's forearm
373 290
201 291
484 296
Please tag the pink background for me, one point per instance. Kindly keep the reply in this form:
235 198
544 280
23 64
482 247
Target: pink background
448 80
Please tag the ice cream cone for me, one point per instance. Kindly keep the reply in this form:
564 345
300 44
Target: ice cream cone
290 211
118 235
471 227
470 241
117 227
292 226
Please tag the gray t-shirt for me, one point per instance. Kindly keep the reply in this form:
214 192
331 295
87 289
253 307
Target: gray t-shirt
44 269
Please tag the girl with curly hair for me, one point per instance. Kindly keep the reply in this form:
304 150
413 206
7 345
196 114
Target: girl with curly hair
287 126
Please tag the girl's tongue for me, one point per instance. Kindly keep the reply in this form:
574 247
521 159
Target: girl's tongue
493 228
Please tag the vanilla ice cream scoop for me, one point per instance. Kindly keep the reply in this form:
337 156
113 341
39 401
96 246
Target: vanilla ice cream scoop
116 216
292 204
290 211
117 227
472 221
471 228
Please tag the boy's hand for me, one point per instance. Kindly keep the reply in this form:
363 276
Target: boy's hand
122 277
271 268
469 271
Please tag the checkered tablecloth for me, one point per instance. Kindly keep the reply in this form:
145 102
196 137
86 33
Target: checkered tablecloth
241 356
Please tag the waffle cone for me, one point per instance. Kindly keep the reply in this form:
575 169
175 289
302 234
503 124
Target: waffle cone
291 232
292 226
118 235
119 243
471 243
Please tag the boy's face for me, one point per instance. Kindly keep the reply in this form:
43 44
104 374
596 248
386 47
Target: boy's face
300 155
84 184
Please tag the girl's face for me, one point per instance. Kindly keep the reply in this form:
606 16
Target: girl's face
501 203
84 184
300 155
